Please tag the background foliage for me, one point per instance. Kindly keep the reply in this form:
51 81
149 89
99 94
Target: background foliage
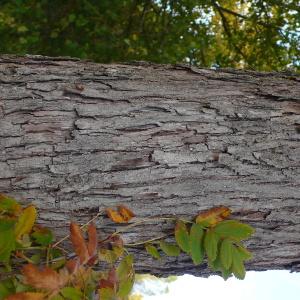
257 34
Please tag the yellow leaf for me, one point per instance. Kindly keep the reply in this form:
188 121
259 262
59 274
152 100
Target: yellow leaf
123 215
115 216
125 212
26 221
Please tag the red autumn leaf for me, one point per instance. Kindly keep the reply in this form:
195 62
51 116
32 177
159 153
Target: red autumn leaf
46 278
26 296
78 242
93 241
111 281
105 283
125 212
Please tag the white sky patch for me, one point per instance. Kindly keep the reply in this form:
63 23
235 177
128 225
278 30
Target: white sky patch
269 285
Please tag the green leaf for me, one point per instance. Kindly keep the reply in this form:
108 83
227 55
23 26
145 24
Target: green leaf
36 258
57 264
169 249
6 224
244 253
211 244
238 267
7 240
234 229
182 236
9 205
125 275
226 274
6 288
216 264
107 294
57 297
226 253
43 236
125 267
107 255
71 293
197 251
152 251
125 287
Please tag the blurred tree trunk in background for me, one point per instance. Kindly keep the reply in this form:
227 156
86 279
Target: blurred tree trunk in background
164 140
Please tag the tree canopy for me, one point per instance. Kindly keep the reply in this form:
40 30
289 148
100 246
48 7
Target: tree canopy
257 34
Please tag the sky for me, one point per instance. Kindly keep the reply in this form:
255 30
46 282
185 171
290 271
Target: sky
268 285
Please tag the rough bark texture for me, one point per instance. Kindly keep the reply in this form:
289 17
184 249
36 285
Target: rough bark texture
164 140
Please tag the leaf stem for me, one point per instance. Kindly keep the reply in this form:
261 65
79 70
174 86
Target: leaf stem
145 242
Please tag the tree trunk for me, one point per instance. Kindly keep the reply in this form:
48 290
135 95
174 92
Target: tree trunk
164 140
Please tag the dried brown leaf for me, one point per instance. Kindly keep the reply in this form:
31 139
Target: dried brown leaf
46 278
78 242
93 241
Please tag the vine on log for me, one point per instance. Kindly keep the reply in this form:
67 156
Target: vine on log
49 271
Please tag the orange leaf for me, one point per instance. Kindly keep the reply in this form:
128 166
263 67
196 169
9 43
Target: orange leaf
213 216
26 296
115 216
125 212
47 278
78 242
93 241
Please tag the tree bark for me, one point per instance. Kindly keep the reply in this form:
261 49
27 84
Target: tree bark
164 140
